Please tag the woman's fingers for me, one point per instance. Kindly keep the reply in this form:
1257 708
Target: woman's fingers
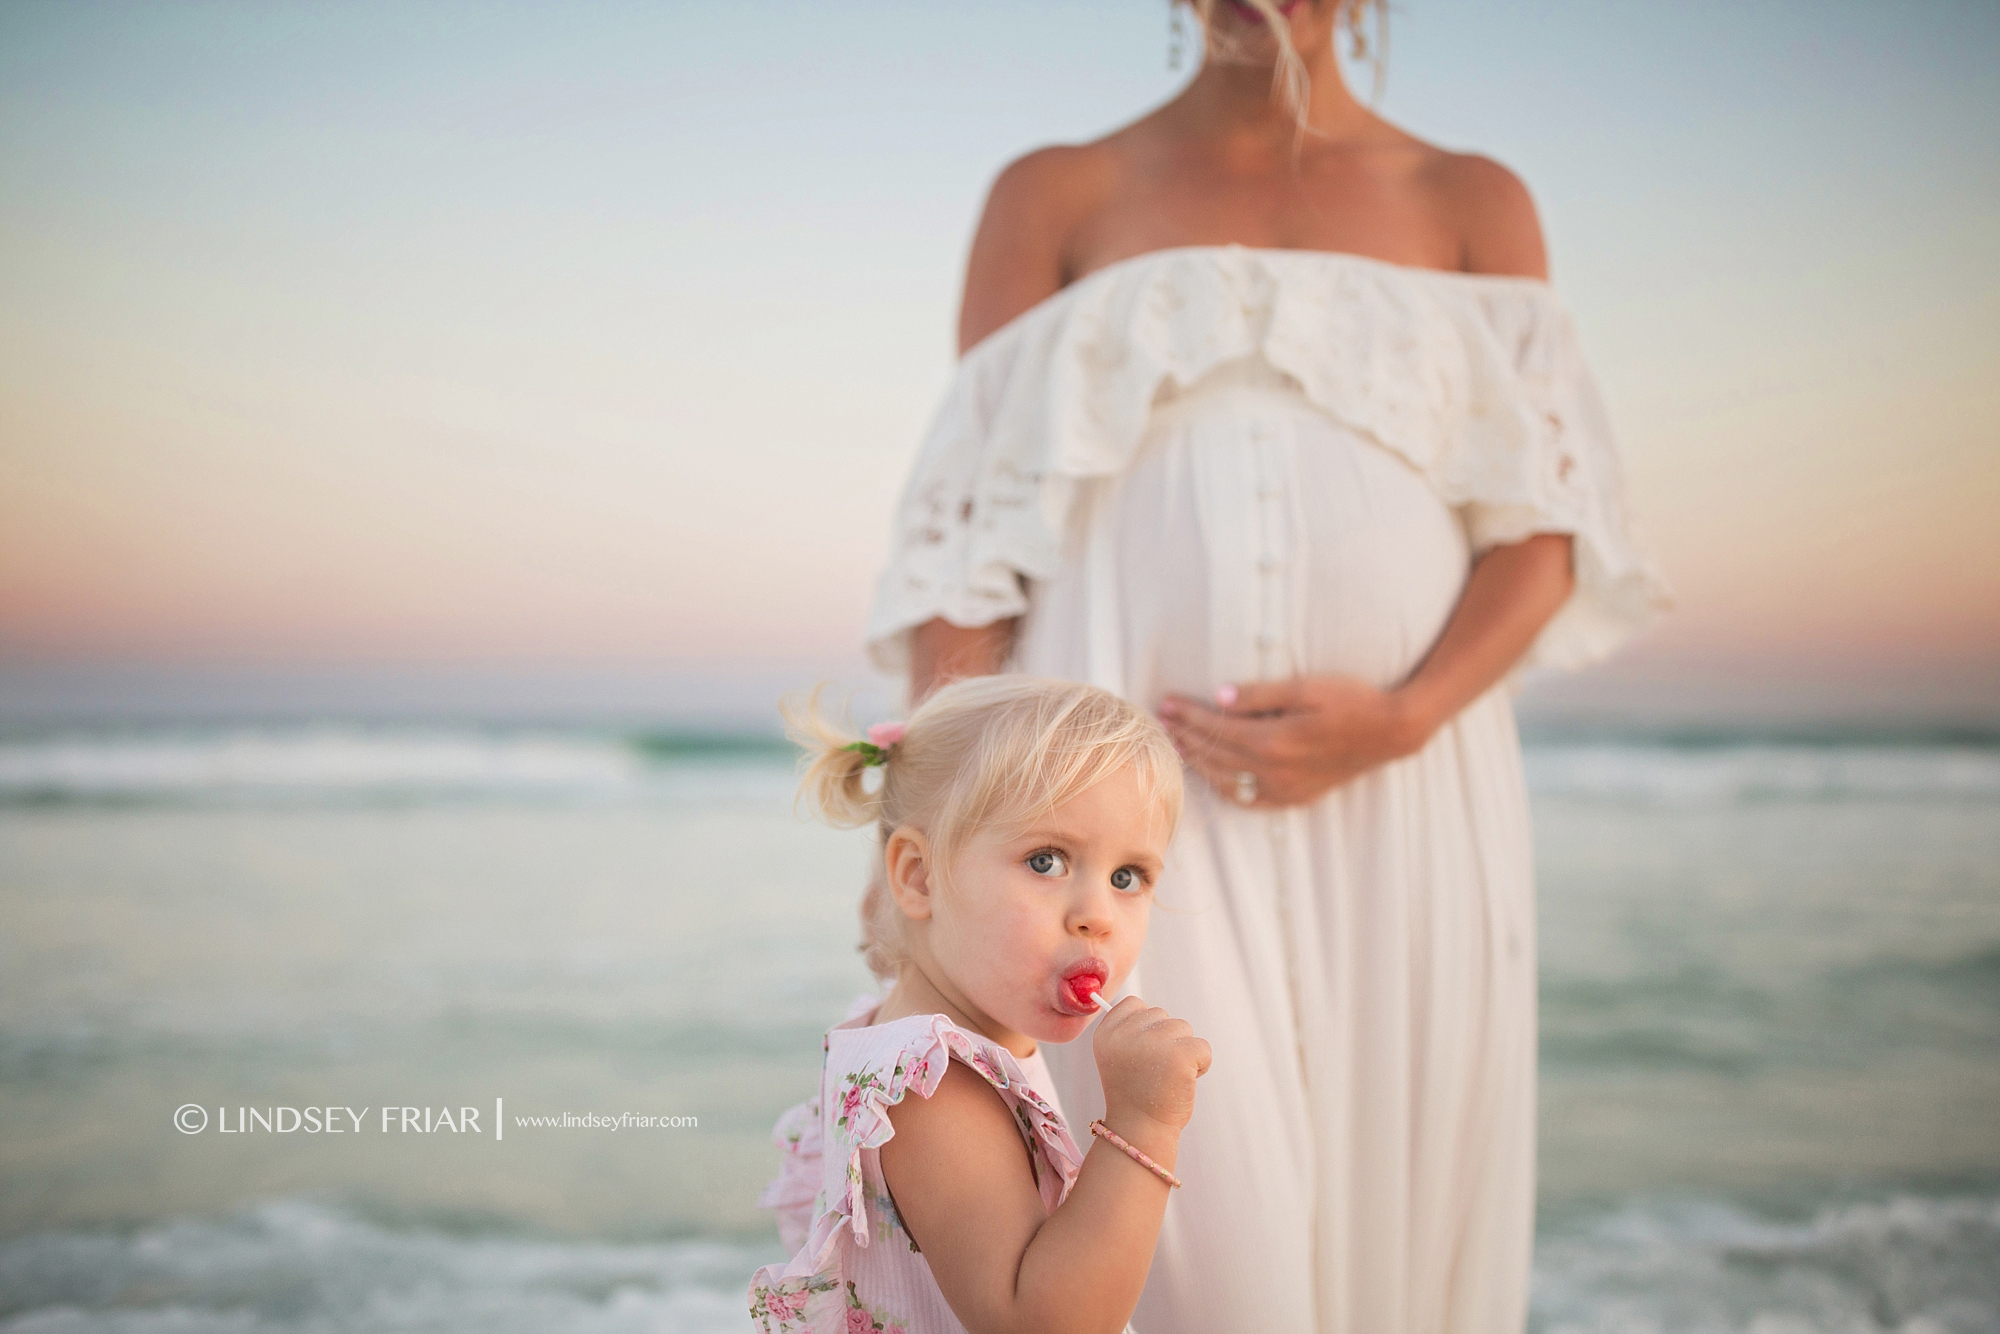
1297 738
1251 697
1221 775
1280 781
1221 748
1210 758
1240 739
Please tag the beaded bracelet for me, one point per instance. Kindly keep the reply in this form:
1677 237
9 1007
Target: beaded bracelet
1102 1131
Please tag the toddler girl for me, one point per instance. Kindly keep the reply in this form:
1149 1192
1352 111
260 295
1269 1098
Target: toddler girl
933 1184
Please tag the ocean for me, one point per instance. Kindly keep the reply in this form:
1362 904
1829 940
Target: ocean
1770 1061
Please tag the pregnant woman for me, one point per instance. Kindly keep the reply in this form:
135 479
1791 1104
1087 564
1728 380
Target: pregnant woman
1268 420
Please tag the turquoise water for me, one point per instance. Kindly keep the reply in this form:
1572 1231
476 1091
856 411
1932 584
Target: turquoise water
1770 1028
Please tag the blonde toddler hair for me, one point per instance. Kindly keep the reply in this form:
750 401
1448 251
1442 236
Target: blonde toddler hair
982 751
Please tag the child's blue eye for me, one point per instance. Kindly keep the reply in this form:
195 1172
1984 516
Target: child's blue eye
1047 862
1125 878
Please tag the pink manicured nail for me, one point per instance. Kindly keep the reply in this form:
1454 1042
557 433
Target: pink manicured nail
1169 709
1225 695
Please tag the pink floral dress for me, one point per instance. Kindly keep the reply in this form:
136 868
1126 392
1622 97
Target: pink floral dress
854 1270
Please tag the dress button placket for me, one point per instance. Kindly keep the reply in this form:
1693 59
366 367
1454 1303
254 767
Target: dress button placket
1273 536
1269 636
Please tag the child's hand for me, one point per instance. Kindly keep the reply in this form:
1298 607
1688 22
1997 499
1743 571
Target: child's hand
1148 1061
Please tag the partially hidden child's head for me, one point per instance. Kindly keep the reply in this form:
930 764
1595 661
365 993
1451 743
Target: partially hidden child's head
1022 823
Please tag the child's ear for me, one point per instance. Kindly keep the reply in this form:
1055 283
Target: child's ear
906 866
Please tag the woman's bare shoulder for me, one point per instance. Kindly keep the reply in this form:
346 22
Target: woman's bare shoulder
1492 212
1020 252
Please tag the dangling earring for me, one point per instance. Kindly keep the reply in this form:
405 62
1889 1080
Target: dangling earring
1178 35
1376 50
1348 13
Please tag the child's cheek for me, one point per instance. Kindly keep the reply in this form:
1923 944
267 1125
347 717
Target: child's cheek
1132 935
1027 941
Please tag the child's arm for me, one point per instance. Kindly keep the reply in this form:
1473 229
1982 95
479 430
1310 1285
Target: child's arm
962 1181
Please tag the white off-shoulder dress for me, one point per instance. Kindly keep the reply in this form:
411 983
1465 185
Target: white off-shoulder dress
1209 465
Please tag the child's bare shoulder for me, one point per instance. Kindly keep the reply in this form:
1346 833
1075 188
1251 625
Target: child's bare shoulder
958 1156
965 1114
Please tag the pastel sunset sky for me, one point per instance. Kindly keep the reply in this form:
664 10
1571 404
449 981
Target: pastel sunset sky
473 334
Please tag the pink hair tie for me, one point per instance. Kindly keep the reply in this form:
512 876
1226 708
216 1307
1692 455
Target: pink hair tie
1102 1131
875 750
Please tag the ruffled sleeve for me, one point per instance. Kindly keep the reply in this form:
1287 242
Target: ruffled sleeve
969 529
1478 383
792 1193
1535 454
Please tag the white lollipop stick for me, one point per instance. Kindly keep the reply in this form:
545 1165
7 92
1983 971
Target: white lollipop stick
1097 999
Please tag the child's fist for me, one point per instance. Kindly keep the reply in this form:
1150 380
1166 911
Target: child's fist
1148 1061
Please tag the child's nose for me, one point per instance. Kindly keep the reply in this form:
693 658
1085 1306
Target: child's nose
1091 915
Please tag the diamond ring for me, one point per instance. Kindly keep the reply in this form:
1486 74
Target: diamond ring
1246 787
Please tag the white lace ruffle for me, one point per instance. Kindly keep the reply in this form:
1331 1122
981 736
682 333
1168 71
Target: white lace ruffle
1476 381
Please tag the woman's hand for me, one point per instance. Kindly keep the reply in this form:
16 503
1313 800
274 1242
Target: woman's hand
1298 739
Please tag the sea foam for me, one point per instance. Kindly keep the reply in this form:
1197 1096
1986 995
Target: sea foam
295 1265
1904 1265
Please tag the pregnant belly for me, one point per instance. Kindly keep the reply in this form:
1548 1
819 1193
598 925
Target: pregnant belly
1253 538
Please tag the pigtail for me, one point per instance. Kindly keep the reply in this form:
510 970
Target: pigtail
832 783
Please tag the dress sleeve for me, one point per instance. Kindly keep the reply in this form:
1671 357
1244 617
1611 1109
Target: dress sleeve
794 1190
1538 456
968 531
